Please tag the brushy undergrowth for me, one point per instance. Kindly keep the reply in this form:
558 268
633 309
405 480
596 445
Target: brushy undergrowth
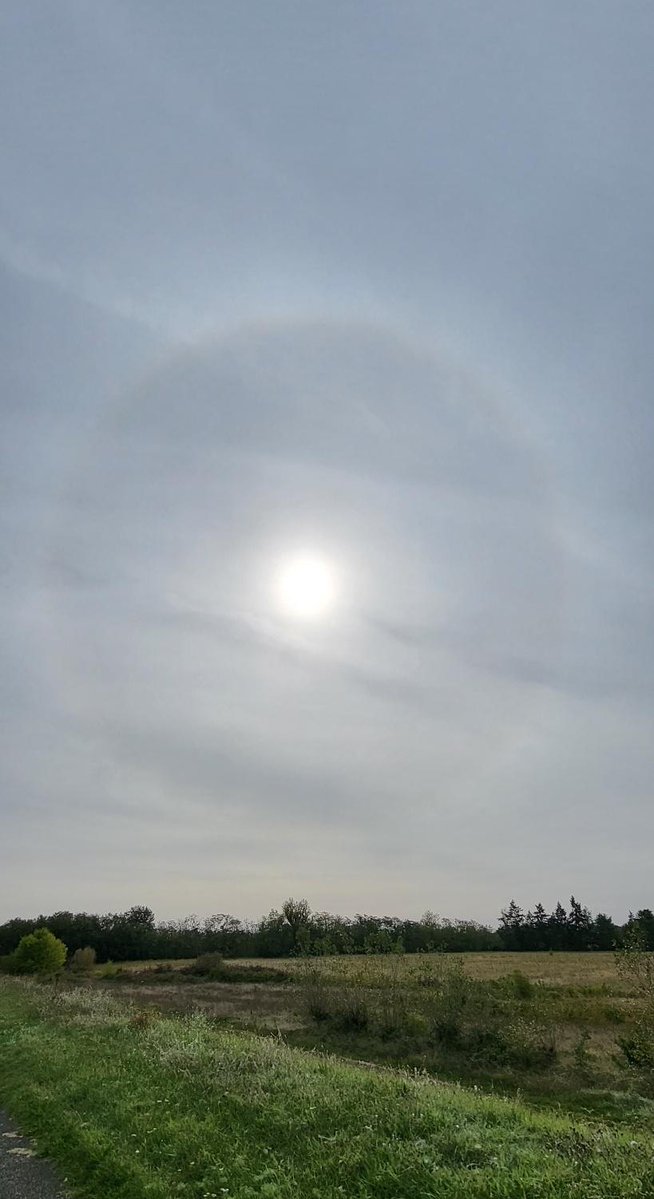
488 1023
134 1108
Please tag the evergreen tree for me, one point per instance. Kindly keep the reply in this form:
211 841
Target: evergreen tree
511 925
604 932
558 928
539 928
579 926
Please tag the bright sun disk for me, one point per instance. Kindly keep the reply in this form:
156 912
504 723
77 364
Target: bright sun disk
306 587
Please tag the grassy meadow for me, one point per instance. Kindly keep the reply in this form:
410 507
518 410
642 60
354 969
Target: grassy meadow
550 1025
132 1104
561 969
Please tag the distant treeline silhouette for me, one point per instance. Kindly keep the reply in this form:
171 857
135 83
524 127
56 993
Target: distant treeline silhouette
296 930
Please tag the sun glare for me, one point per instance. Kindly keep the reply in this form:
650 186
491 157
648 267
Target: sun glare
306 587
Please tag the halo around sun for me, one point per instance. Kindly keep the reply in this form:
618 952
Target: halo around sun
306 587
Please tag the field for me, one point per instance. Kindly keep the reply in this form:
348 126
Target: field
560 969
498 1076
565 1012
133 1106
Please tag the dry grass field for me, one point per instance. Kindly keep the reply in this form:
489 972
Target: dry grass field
556 969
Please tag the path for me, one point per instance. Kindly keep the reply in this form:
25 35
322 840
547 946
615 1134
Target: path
22 1174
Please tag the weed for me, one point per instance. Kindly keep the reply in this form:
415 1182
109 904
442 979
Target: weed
581 1054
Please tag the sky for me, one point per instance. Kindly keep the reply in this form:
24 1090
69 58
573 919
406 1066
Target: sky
366 283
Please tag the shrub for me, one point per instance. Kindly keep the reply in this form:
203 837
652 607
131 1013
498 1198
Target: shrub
530 1046
638 1049
39 952
109 970
83 960
447 1030
346 1009
581 1054
351 1014
208 965
318 1006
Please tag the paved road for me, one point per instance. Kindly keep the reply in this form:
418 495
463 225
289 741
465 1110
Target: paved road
22 1174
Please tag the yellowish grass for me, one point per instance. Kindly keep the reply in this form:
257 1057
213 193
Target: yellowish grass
556 969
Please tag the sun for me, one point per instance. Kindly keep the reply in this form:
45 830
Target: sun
306 587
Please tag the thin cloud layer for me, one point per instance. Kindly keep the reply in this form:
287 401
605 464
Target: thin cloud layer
369 284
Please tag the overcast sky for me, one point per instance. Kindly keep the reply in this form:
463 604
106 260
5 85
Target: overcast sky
368 281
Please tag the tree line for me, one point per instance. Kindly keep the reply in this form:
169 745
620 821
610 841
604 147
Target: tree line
295 929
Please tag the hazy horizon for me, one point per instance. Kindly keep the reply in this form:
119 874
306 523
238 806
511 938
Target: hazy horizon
327 520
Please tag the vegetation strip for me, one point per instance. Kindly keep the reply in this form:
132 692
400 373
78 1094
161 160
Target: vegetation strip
296 930
134 1105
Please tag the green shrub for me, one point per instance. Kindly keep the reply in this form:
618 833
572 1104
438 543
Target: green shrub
109 970
392 1018
208 965
638 1048
318 1005
40 953
446 1029
530 1046
580 1053
351 1014
346 1009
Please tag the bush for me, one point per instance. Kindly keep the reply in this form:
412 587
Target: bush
208 965
83 960
581 1053
351 1014
39 952
318 1007
638 1049
346 1009
446 1030
110 970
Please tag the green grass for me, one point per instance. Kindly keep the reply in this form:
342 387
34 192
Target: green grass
552 1031
132 1106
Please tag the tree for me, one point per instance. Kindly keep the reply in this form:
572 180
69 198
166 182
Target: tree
645 922
140 916
539 927
39 952
605 933
297 914
511 924
579 925
558 928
